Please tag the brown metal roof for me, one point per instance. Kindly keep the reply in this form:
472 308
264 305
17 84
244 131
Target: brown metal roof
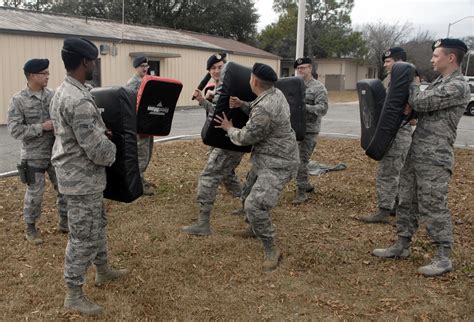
233 46
34 22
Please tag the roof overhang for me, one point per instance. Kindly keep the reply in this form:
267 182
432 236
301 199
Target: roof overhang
153 54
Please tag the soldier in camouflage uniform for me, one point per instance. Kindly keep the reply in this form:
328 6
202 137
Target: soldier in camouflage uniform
429 164
316 107
274 156
28 120
220 166
144 142
81 152
388 173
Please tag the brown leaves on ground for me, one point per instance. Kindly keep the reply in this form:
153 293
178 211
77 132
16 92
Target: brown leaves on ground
327 271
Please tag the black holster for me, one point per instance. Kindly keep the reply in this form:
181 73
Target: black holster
27 173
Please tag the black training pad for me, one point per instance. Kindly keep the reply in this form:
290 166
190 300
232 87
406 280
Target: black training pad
294 90
117 105
234 81
371 98
391 117
157 102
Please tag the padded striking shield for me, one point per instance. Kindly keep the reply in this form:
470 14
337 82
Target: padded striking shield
234 81
391 117
371 98
294 90
156 102
117 105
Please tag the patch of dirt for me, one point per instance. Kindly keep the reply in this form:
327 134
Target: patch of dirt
342 96
327 271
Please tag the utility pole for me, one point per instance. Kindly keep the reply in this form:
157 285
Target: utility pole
467 63
453 23
300 30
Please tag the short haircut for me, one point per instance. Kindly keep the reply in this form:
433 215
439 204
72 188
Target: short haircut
264 84
457 52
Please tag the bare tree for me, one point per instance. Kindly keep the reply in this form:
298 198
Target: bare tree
381 36
419 53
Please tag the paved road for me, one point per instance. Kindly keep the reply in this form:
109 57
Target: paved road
342 120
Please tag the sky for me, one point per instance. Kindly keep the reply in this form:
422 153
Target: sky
431 15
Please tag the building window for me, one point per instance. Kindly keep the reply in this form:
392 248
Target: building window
154 69
285 72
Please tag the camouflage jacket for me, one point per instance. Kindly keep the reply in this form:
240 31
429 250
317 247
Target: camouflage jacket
81 150
316 105
439 107
134 83
269 131
27 111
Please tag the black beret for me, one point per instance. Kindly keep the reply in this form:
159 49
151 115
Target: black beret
450 43
81 47
301 61
137 61
35 65
264 72
215 59
395 52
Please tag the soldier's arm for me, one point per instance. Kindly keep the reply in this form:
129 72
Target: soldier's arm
256 129
318 105
438 98
235 102
91 136
245 107
208 106
17 125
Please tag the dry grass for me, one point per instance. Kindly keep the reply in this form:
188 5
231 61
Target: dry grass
342 96
327 271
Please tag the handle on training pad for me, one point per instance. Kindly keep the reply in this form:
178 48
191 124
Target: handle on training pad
203 83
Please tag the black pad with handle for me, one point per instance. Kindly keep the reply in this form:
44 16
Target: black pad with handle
294 90
371 94
117 105
156 101
392 117
234 81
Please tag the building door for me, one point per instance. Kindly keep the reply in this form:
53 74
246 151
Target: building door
154 69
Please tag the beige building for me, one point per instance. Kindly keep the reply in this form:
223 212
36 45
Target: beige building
335 73
174 54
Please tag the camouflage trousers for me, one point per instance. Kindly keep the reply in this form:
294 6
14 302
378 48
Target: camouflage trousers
87 237
306 148
424 197
34 192
260 194
388 173
220 166
145 151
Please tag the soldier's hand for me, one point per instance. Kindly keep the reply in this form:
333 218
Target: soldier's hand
234 102
225 124
198 96
407 110
413 122
47 126
416 80
210 94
